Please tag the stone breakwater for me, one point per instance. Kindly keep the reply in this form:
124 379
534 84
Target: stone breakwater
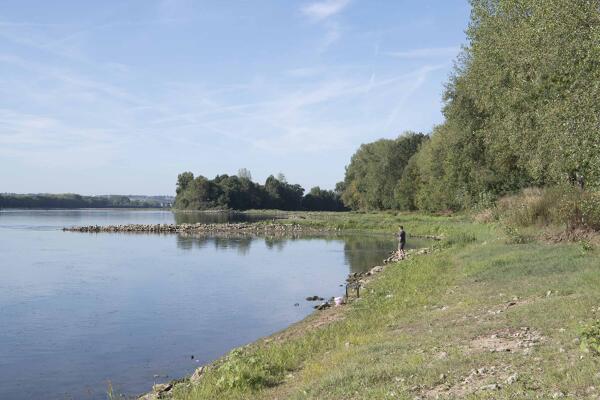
247 228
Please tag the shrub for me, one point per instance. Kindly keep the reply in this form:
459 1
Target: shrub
532 206
515 236
590 338
247 372
579 209
566 205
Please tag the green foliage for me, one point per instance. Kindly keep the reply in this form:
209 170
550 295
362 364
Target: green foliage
520 110
561 205
532 206
247 372
183 181
375 170
322 200
586 246
240 193
590 338
281 195
69 200
515 236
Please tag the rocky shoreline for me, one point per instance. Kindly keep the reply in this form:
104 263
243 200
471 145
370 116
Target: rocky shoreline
199 228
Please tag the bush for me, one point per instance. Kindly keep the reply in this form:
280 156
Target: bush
579 209
568 205
590 338
247 372
532 206
515 236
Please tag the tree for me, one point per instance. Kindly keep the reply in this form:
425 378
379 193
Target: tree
322 200
244 173
183 181
375 169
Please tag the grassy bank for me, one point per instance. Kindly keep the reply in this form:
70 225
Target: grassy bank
480 317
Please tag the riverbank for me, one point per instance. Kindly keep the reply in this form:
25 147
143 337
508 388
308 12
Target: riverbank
478 317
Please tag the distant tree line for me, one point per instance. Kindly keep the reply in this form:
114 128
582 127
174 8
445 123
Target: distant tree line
239 192
8 200
521 109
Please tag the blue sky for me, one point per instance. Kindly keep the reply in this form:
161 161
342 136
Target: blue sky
121 96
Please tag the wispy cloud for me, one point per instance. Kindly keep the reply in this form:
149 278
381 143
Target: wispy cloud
63 104
321 10
425 52
324 12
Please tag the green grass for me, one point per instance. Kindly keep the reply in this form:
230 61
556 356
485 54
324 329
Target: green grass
418 325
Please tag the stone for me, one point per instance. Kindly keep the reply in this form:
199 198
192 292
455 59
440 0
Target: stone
148 396
162 387
197 375
493 386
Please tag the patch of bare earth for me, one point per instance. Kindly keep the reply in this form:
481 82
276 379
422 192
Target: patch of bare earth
482 379
507 340
573 235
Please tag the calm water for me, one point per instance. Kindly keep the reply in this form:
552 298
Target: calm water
79 310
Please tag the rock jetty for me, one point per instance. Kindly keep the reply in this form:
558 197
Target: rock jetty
242 227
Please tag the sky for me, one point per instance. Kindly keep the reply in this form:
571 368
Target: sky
122 96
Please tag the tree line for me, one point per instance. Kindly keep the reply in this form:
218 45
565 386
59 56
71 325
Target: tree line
521 109
9 200
239 192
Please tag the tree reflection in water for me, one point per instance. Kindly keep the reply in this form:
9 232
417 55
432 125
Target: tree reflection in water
361 251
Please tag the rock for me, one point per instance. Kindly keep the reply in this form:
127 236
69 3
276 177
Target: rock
590 390
148 396
376 269
512 379
197 375
557 395
493 386
160 388
242 227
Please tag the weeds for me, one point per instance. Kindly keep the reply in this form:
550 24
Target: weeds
515 236
590 338
561 205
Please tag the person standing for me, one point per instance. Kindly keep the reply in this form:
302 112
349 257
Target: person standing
401 243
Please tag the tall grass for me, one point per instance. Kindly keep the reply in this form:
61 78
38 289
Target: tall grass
561 205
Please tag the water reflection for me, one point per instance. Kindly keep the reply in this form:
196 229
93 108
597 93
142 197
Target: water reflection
360 251
221 217
77 310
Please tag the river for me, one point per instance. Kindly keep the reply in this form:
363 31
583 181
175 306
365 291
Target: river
79 311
